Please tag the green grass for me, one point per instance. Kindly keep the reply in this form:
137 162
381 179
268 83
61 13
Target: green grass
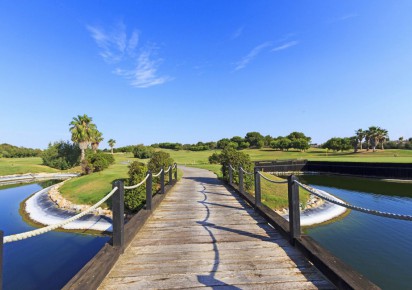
9 166
89 189
390 155
275 195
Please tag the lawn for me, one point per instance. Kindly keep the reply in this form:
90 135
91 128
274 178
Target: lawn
91 188
10 166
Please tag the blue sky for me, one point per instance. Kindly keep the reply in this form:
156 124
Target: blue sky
187 71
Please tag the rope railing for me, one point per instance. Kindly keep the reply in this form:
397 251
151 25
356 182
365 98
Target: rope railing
174 166
245 172
354 207
158 174
29 234
271 180
231 167
168 169
137 185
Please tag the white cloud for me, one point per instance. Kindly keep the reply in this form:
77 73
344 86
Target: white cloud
285 46
144 74
116 48
251 55
237 33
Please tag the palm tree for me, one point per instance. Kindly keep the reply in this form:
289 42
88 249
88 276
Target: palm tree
368 137
360 134
111 143
95 139
383 135
375 133
81 128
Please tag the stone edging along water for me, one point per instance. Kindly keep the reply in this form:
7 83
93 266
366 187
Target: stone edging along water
48 207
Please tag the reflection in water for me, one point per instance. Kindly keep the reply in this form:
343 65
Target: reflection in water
43 262
377 247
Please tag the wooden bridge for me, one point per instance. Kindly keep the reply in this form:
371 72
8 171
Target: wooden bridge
202 235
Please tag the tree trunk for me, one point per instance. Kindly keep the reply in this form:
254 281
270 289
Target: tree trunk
360 140
112 150
82 156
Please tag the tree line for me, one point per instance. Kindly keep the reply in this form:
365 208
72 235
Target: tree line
367 139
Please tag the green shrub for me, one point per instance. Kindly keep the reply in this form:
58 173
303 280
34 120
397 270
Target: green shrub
135 198
96 162
61 155
159 160
143 152
236 159
214 158
10 151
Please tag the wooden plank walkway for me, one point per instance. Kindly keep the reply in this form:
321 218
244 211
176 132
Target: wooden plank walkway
203 236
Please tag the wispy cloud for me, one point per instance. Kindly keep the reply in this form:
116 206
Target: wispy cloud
347 16
237 33
285 46
251 55
134 63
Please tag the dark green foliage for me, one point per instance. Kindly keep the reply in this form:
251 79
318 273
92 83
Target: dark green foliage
255 139
135 198
143 152
96 162
124 149
168 145
222 143
281 143
338 144
236 159
10 151
61 155
214 158
159 160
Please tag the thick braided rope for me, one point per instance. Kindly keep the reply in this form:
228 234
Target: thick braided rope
357 208
168 169
230 165
160 172
245 172
137 185
29 234
270 180
174 166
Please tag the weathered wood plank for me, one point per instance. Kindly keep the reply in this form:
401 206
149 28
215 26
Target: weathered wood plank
204 236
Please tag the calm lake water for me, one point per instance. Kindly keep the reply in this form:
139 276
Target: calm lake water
47 261
379 248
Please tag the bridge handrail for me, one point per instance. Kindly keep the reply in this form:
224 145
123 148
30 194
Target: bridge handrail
137 185
316 192
271 180
245 172
158 174
33 233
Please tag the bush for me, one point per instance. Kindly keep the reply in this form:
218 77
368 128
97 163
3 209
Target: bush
159 160
236 159
96 162
10 151
214 158
135 198
61 155
143 152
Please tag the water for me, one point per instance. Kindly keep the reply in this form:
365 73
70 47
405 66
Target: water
378 247
48 261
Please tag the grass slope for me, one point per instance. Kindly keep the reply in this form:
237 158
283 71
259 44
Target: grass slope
9 166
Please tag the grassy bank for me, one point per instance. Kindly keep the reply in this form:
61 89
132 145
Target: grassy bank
9 166
391 155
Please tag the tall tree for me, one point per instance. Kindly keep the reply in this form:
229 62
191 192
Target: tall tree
368 137
360 134
382 136
111 143
81 128
95 139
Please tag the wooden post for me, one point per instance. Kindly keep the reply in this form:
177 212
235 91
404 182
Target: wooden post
170 175
258 198
1 259
230 175
162 181
118 215
176 172
149 191
294 208
240 179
